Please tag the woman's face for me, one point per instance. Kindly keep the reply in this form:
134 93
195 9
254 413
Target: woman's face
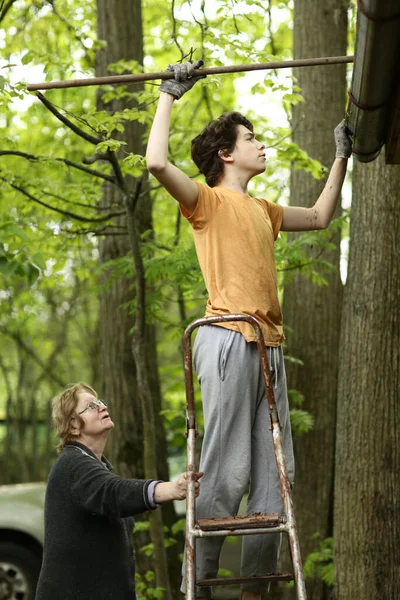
95 415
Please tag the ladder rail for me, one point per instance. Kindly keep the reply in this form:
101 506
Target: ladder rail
192 531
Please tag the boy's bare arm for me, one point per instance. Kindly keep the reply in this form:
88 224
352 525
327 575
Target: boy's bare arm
179 185
296 218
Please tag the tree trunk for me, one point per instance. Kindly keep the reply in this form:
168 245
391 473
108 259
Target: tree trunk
367 483
312 313
120 24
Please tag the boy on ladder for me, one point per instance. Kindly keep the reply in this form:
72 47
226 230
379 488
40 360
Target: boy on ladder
234 235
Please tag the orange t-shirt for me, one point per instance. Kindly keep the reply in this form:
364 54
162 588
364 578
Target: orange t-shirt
234 236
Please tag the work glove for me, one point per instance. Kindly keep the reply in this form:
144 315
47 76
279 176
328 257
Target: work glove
183 81
342 141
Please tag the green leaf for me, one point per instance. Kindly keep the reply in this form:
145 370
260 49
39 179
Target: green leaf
11 228
28 57
8 267
301 420
33 274
142 526
178 526
111 144
39 261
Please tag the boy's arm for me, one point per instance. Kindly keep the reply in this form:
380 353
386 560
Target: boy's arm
179 185
319 216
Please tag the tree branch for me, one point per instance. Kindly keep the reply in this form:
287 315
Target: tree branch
96 232
84 205
66 161
67 122
31 352
173 35
4 8
90 160
73 30
59 210
113 160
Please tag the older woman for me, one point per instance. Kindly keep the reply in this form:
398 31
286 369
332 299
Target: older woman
89 511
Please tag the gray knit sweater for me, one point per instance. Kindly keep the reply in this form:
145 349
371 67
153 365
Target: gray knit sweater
88 552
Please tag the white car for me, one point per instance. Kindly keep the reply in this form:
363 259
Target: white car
21 539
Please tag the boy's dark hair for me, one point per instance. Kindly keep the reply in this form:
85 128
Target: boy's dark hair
220 134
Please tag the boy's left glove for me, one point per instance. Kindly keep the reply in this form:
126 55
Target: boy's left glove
342 141
183 81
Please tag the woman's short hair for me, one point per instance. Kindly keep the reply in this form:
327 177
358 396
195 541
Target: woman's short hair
220 134
63 411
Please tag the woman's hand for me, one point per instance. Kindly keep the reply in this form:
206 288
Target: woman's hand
166 491
181 485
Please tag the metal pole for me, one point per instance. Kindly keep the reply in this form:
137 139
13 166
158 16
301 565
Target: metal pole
282 472
111 79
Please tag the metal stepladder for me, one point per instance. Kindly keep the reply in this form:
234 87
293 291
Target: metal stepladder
250 524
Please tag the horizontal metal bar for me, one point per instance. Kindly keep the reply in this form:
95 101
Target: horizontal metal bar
196 532
137 77
257 520
235 580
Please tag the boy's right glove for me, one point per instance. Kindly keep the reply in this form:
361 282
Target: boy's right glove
183 81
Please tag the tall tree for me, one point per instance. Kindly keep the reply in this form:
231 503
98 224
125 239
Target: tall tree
312 313
367 484
136 408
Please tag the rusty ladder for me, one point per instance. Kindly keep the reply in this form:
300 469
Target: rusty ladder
235 526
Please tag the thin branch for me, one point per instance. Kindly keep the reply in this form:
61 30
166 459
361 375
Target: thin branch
60 343
66 161
173 35
269 26
4 8
59 210
72 29
90 160
131 201
84 205
95 232
113 160
67 122
234 18
31 352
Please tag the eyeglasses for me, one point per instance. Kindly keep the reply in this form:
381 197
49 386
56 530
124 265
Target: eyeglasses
93 405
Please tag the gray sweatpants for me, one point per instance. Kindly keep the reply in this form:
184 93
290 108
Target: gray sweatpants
237 447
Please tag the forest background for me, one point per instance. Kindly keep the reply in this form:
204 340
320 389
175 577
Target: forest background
99 275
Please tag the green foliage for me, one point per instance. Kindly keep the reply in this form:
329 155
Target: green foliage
9 92
225 573
148 549
319 563
142 526
143 589
50 221
299 159
179 526
301 420
306 253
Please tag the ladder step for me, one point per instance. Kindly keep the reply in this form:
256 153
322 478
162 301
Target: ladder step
233 580
258 520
